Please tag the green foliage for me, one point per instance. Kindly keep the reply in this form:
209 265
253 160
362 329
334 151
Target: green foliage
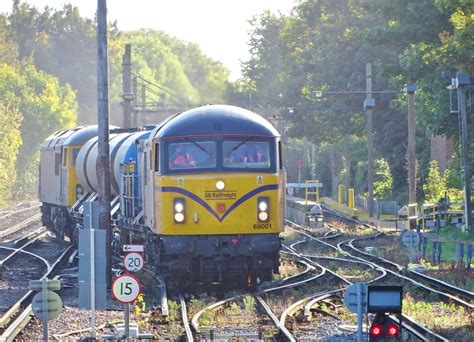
10 142
249 303
36 44
63 43
323 45
234 309
435 185
383 179
45 106
186 76
174 312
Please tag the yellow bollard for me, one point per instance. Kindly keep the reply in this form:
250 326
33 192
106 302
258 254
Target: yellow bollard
340 194
350 199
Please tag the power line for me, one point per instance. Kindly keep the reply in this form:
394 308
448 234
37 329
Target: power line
165 89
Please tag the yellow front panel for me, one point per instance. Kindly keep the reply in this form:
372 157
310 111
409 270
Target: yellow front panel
232 210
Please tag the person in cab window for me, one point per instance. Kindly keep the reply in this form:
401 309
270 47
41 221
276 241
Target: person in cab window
183 159
246 158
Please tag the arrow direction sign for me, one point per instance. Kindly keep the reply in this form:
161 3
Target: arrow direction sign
133 248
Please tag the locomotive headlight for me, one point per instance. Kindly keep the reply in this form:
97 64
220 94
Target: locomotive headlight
262 209
263 206
179 207
220 185
179 217
263 216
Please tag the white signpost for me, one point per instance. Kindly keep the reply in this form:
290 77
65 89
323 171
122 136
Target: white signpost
133 262
127 288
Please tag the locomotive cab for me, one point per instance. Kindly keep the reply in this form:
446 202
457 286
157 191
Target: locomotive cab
213 192
59 187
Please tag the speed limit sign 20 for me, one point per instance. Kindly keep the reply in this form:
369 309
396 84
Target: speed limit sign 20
133 262
126 288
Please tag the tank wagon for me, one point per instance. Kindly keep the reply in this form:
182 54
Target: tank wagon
204 192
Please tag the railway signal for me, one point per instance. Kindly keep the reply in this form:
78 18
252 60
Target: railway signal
381 300
382 328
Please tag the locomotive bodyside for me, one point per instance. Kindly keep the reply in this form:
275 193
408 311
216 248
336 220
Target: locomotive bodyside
59 187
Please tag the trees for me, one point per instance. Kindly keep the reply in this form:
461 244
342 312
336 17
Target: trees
48 74
383 179
435 185
45 107
10 142
322 46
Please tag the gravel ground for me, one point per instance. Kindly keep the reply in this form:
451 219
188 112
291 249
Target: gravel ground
325 329
74 323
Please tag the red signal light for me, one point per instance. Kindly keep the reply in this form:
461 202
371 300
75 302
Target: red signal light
376 330
392 330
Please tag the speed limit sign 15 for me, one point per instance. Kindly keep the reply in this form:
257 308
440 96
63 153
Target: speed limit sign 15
126 288
133 262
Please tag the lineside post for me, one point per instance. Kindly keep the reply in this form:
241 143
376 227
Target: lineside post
411 153
461 82
103 163
369 104
127 94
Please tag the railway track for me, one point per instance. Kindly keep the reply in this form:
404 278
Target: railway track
416 327
8 213
12 230
303 277
19 313
457 292
449 291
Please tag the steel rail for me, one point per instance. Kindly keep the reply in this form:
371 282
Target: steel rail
19 226
293 307
446 286
184 315
19 211
20 249
308 269
163 296
414 282
412 322
29 236
14 328
195 319
287 335
316 298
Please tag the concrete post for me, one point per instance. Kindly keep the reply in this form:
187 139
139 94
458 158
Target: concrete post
103 163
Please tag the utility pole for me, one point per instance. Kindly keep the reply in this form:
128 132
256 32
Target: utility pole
369 104
411 153
135 100
460 83
127 94
103 163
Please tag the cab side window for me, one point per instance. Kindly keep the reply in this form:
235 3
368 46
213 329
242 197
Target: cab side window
157 157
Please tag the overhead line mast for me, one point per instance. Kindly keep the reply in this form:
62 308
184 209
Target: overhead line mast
103 162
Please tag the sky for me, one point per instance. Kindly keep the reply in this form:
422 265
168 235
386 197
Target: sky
219 27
